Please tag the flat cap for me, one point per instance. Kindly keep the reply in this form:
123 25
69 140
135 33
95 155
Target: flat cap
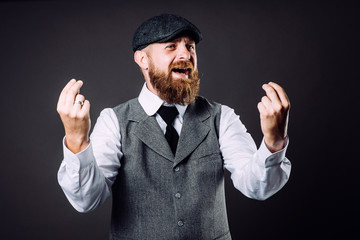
163 28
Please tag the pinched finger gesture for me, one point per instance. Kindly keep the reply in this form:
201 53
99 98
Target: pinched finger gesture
74 112
274 116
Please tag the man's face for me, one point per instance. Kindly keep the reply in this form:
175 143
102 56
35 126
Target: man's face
173 70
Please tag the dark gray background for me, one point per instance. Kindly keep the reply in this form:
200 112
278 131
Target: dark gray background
310 48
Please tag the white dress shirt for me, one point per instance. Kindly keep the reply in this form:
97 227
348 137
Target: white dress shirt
86 177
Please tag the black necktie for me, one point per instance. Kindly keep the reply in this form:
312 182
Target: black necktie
168 114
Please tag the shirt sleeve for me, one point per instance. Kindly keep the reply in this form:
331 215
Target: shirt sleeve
86 177
257 173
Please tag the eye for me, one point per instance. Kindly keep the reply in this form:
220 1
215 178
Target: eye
190 47
170 46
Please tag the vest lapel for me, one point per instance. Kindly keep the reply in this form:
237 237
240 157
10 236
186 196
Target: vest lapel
149 132
194 131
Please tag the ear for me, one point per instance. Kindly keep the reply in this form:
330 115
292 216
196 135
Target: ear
141 59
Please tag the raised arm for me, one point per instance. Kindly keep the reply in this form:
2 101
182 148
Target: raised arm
258 173
89 166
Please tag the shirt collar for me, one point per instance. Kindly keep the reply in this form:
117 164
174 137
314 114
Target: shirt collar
151 103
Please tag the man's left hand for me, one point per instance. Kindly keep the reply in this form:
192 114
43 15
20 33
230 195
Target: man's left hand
274 116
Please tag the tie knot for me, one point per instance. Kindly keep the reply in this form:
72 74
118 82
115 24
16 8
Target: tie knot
168 114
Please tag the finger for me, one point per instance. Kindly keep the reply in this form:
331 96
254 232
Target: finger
80 97
72 92
271 93
262 110
63 93
266 102
85 110
77 105
261 107
79 102
281 93
274 97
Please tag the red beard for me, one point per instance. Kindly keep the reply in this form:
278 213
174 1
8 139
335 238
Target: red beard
176 91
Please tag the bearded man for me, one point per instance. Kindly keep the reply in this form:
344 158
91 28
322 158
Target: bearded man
163 154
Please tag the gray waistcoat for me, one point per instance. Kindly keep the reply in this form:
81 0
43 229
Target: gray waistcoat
159 196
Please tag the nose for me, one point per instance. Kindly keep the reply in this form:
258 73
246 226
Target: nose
183 52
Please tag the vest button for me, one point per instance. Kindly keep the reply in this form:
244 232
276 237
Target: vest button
180 223
178 195
177 169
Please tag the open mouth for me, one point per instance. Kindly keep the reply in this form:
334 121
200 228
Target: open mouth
185 71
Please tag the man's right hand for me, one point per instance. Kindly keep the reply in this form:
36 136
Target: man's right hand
74 112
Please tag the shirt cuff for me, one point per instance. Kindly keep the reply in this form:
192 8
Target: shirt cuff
80 160
271 158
